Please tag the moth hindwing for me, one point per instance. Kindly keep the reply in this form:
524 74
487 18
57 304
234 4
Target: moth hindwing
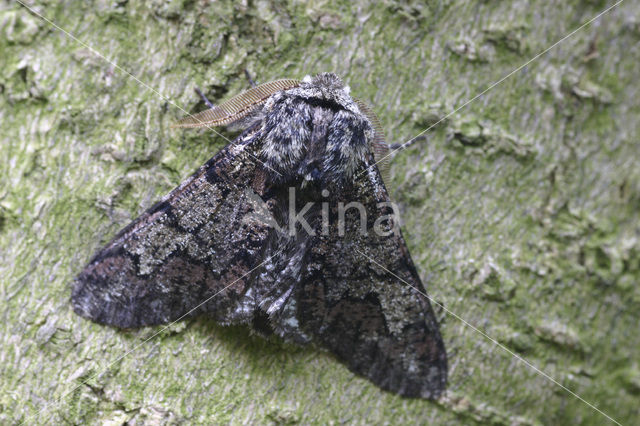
290 230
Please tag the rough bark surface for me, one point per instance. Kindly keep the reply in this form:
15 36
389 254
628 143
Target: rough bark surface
521 210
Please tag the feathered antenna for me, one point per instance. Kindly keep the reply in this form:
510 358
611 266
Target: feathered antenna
237 107
378 145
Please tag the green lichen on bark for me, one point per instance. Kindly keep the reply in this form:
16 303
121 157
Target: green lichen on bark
521 210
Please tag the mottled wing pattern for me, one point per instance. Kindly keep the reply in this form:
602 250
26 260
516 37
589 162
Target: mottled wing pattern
184 249
375 323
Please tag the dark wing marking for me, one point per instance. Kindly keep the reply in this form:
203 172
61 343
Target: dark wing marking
376 324
185 249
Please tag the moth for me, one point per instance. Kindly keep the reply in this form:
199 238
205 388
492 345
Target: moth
289 230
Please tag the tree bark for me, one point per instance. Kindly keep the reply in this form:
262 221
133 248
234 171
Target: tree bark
521 208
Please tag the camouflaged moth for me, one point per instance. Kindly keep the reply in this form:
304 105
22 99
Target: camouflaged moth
219 244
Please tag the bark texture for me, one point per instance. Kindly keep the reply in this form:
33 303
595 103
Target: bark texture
521 210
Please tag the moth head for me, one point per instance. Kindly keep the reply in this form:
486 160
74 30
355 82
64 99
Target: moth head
326 86
326 80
